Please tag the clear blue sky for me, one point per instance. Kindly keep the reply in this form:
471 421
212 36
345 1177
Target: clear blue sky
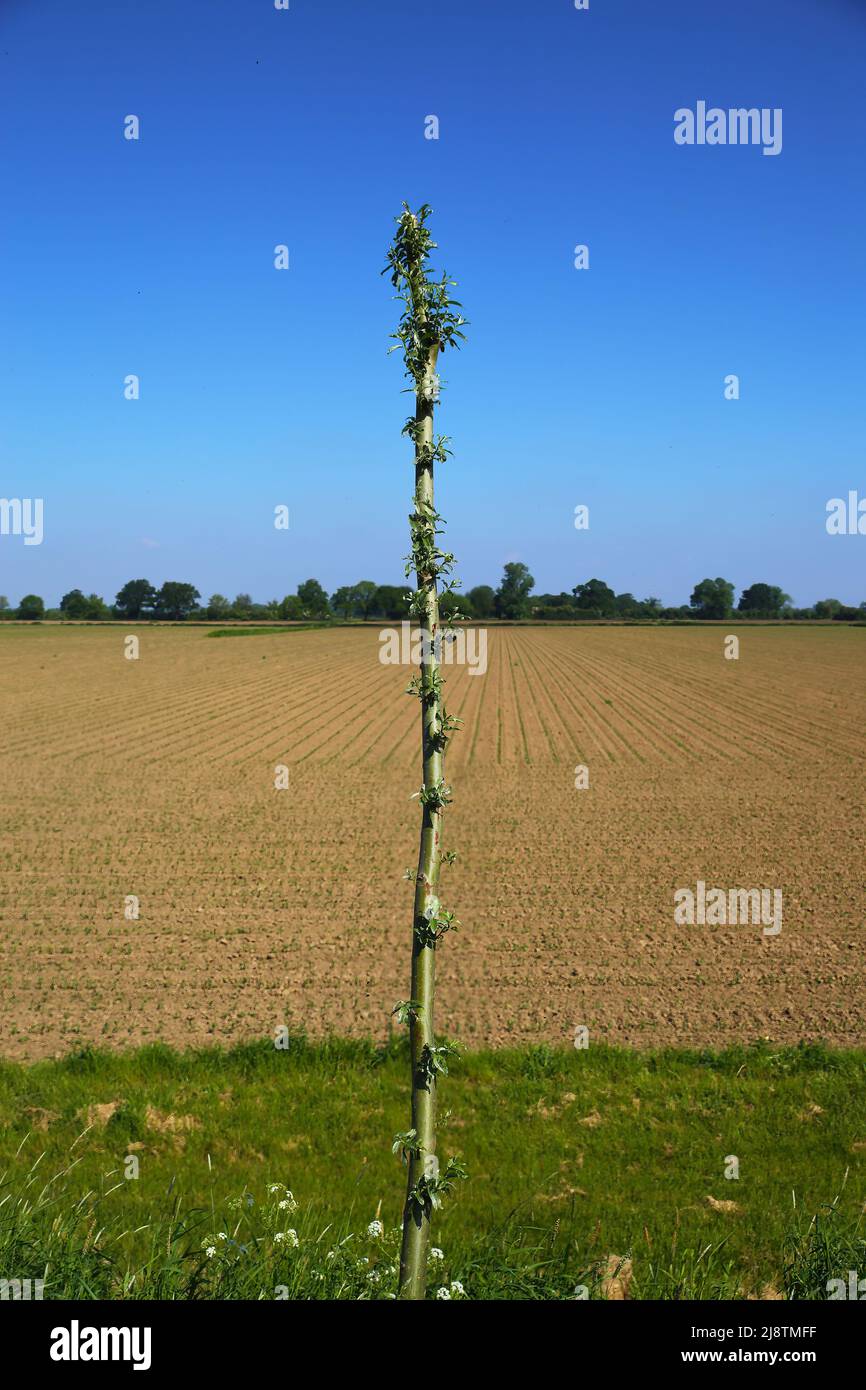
261 387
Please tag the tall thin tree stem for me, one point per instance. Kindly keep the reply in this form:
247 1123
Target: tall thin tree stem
416 1229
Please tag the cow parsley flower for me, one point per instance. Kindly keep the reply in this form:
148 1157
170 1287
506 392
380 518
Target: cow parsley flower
287 1198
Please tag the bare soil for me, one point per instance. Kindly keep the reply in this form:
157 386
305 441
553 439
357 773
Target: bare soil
261 908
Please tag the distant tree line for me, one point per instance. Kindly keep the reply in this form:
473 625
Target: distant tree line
711 599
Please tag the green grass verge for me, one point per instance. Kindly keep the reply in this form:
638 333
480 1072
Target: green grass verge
268 631
574 1156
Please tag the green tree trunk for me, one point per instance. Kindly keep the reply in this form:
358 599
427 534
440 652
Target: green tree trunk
423 1163
428 324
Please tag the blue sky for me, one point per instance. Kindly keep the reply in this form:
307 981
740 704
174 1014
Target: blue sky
259 387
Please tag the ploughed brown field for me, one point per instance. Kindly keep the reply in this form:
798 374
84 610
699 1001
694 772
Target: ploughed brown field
260 907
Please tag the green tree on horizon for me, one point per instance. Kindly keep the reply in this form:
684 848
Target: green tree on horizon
713 598
175 601
314 600
74 604
512 596
135 596
594 596
31 608
482 601
763 600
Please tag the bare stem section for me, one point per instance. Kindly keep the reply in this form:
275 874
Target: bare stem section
430 322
